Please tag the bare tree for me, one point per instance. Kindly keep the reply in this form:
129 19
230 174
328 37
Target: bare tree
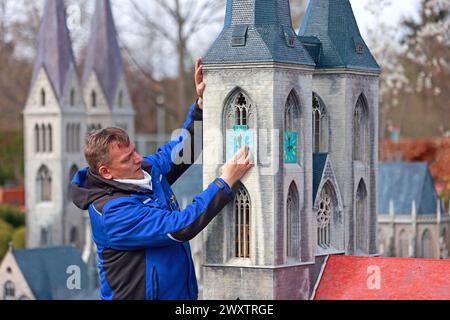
298 9
177 22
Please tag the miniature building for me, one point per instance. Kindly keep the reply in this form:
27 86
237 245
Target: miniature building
56 273
309 104
57 115
412 221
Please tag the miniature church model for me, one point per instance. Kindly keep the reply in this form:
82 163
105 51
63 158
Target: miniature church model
58 113
307 105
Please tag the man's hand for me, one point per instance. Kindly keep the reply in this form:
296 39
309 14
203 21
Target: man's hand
237 167
199 84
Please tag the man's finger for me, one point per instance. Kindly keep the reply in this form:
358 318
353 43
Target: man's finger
199 75
239 156
198 62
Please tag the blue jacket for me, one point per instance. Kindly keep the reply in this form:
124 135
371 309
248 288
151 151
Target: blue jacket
141 235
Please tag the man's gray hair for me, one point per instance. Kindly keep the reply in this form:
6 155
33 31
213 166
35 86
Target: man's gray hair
97 146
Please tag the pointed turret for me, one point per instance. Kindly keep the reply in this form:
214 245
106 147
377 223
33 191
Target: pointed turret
54 54
331 34
257 31
103 53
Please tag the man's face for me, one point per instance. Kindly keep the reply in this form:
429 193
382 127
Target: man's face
125 163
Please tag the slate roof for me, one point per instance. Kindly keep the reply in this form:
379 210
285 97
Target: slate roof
267 26
45 271
404 182
103 52
334 24
54 52
347 278
319 162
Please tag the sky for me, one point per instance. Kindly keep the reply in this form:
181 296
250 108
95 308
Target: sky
391 16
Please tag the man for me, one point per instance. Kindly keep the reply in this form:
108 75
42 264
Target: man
141 233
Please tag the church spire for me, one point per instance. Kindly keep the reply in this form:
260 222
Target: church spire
103 53
257 31
333 23
54 54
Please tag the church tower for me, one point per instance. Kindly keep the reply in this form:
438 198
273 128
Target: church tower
307 105
104 88
54 124
259 84
345 114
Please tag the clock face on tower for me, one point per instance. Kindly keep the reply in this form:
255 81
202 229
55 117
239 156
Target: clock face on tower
237 138
290 147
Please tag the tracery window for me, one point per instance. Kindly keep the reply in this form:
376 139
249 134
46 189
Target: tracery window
292 223
242 208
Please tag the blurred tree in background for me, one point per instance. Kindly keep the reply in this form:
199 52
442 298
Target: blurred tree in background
12 215
6 232
18 238
415 58
11 158
427 61
12 229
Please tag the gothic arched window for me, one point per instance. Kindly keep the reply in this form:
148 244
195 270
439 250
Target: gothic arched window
74 238
360 126
242 209
50 138
9 290
403 244
427 245
324 216
44 237
292 129
73 171
320 126
121 99
69 138
44 184
293 223
381 242
239 111
361 211
44 138
93 99
43 98
73 137
77 138
72 97
37 137
238 124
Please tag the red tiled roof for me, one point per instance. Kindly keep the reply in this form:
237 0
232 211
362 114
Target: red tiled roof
355 278
12 196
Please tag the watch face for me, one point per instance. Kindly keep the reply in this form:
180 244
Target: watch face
290 147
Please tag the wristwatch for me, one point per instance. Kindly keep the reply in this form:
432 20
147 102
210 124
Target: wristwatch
220 183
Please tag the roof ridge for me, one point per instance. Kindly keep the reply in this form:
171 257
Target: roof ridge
263 42
103 56
55 53
334 23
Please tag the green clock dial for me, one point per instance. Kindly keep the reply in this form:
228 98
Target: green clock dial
290 147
